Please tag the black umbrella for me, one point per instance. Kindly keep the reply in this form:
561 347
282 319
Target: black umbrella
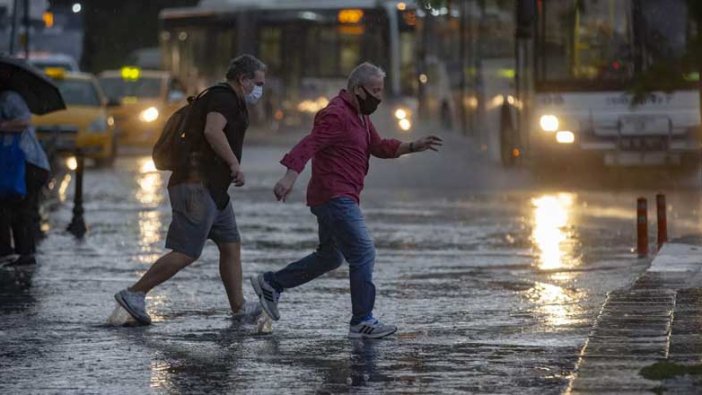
40 93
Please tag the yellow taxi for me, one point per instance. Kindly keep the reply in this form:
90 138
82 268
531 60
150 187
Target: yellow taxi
84 124
146 98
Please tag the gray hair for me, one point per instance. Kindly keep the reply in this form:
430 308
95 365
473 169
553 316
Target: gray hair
362 74
244 65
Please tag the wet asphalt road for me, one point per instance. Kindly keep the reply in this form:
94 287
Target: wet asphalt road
493 278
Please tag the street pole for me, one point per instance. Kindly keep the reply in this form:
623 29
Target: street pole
26 29
662 220
13 31
642 227
77 226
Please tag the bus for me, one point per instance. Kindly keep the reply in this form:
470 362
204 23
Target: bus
591 81
309 47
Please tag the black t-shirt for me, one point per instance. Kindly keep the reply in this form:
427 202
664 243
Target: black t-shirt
205 165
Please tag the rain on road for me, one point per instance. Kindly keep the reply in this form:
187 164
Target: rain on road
493 280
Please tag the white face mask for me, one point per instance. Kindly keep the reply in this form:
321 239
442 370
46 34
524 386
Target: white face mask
255 95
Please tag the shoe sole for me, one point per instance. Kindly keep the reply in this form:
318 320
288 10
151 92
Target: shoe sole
354 335
264 304
125 306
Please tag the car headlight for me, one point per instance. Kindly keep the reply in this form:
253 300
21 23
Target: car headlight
99 125
549 123
149 115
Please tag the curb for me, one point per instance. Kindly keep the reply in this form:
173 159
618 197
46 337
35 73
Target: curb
643 324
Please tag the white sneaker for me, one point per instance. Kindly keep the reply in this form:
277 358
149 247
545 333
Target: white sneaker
248 313
267 295
135 304
371 329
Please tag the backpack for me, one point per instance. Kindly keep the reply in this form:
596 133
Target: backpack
12 167
173 147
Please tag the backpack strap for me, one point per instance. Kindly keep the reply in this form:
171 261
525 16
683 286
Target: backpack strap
221 85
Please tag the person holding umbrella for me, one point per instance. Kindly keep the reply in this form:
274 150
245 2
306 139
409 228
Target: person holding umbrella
23 91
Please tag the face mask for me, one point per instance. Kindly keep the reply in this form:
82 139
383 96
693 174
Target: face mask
255 95
369 104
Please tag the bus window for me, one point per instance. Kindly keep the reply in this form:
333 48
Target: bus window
584 40
331 52
662 38
588 43
269 49
497 29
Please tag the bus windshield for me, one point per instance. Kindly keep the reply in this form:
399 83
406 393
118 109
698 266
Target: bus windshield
306 49
604 44
144 87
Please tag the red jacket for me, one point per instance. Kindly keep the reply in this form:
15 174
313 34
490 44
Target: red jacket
341 145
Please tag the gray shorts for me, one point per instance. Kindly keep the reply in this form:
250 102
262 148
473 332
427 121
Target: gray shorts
196 219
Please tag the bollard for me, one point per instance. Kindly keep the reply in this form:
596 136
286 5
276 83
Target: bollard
662 220
642 227
77 225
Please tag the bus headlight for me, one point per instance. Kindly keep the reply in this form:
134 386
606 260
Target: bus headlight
400 113
565 137
549 123
149 115
404 118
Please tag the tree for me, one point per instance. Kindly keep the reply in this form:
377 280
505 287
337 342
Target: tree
670 74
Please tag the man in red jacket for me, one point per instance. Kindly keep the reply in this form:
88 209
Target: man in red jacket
341 142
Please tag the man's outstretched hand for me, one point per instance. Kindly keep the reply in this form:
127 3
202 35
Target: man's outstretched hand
427 143
283 187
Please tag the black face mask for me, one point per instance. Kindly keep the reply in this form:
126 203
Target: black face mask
369 104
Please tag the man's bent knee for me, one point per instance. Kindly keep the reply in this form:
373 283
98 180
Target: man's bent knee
229 249
362 257
181 259
332 258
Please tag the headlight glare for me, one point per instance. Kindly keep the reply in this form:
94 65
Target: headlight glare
549 123
149 115
565 137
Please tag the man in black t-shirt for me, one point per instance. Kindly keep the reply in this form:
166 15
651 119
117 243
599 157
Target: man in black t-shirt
198 193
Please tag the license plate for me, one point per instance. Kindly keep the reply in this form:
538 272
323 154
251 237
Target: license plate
644 125
640 159
647 143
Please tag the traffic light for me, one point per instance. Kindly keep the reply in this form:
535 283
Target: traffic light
48 18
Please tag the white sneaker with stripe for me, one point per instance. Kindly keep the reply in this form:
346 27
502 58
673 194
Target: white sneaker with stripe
267 295
371 329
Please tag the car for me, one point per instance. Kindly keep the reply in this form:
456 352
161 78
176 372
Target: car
44 60
85 124
144 100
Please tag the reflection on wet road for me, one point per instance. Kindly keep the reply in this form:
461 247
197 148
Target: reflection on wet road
492 290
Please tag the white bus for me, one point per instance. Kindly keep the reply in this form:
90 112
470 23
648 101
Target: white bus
558 89
309 47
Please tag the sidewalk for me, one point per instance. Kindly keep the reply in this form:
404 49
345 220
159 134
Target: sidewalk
656 320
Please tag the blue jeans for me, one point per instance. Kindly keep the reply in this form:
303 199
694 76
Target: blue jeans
342 234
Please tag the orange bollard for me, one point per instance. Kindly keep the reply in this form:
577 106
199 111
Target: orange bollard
662 220
642 227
